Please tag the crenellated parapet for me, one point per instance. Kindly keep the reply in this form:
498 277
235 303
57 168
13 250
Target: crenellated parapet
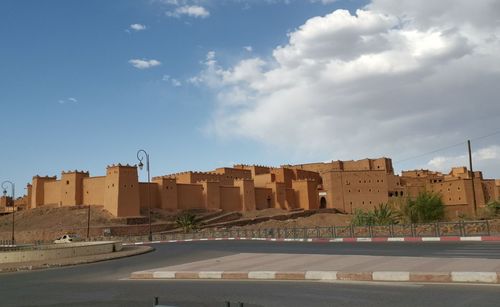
121 166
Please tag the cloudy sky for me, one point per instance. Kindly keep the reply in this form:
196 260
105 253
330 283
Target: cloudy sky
206 83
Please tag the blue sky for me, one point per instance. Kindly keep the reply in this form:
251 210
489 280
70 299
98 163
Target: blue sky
71 97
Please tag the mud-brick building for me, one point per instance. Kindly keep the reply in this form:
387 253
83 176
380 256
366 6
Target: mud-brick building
344 185
229 189
351 185
456 188
363 184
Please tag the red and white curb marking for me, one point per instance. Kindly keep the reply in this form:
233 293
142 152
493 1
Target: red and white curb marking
433 277
337 240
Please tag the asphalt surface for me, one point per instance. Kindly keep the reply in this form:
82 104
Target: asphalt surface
107 284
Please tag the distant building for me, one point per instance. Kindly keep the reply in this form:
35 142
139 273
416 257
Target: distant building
344 185
363 184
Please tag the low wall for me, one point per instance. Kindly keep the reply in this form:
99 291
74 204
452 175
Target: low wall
57 251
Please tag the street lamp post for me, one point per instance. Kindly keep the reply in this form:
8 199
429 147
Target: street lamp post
13 188
88 224
141 154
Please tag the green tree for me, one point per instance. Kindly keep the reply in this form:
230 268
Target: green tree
426 207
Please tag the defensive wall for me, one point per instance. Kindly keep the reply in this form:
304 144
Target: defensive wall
343 185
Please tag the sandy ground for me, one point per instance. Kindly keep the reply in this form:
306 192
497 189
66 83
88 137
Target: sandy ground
317 220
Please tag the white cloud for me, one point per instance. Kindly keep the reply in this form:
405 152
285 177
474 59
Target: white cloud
144 63
189 10
397 78
174 82
248 48
68 100
138 27
486 159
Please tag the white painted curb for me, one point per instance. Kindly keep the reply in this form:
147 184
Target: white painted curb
484 277
262 275
391 276
321 275
163 274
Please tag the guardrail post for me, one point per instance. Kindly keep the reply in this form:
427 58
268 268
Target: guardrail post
488 227
461 227
413 230
370 231
352 231
391 230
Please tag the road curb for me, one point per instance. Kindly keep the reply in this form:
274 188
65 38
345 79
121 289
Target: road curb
377 276
337 240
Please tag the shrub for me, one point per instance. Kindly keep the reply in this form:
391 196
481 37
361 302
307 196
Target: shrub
426 207
187 221
362 218
493 208
384 214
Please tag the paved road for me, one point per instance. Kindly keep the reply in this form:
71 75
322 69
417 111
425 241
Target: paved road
105 284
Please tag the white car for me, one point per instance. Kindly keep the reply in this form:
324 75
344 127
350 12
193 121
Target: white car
65 239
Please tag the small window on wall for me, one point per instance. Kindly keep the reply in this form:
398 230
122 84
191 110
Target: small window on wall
67 182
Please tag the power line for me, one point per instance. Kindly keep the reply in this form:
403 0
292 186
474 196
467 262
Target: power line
447 147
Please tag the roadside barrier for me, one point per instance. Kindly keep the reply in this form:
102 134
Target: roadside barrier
441 231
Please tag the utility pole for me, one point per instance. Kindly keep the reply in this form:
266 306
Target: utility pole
472 179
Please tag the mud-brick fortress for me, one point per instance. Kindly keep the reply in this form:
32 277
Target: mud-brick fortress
344 185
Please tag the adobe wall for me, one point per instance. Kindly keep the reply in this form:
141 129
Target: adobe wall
72 188
285 175
153 192
93 190
211 195
247 193
234 173
254 169
52 193
121 195
306 194
262 180
263 198
190 196
230 198
290 201
167 193
278 195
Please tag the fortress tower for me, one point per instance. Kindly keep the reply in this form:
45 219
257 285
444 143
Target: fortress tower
121 191
72 187
38 191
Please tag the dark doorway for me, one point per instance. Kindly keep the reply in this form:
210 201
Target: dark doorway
322 203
